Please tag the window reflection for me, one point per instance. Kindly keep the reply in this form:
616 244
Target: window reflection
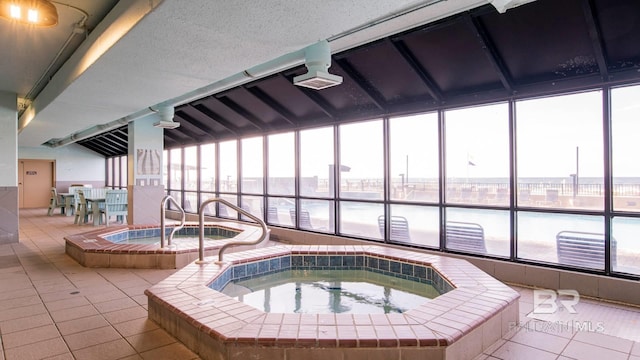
560 151
191 168
624 129
625 250
477 155
414 158
281 164
360 152
360 219
228 166
208 167
316 160
252 168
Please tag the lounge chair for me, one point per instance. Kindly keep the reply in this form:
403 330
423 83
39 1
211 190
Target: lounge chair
399 228
305 219
583 249
466 237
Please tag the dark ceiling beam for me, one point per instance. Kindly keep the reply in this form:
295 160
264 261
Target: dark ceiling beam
116 139
169 143
175 138
595 35
91 146
217 117
196 123
242 112
432 88
313 95
491 51
269 101
186 132
104 143
361 82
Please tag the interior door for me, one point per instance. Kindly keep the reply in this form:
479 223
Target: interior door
37 180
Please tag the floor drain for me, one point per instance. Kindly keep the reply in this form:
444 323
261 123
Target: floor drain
74 292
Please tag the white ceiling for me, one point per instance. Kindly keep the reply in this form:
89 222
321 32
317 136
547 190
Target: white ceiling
148 52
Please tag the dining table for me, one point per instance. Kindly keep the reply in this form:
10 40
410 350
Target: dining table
69 203
97 203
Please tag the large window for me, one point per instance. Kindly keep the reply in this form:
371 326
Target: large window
523 180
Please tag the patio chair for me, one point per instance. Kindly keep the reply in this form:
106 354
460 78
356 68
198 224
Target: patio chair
305 219
466 237
82 211
115 204
399 228
56 201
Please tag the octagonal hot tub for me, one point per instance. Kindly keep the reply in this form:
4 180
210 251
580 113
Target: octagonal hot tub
473 311
138 246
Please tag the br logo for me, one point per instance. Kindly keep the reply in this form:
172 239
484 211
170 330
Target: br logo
547 301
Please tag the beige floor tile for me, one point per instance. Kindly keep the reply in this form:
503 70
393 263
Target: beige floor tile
119 316
74 313
91 337
511 351
40 350
635 349
175 351
135 327
20 312
29 336
540 340
82 324
150 340
9 326
115 305
605 341
111 350
67 356
68 303
583 351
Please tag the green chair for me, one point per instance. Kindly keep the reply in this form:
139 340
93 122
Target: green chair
115 204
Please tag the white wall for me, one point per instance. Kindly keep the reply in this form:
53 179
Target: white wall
74 163
8 139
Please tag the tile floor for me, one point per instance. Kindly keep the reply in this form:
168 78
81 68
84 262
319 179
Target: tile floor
53 308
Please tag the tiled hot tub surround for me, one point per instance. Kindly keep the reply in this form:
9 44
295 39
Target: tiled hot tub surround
92 249
458 324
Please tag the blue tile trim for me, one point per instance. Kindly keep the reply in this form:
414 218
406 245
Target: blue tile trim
155 232
403 270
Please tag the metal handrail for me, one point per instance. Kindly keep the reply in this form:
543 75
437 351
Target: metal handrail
163 211
230 243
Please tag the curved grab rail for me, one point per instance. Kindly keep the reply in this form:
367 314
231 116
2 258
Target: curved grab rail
230 243
163 211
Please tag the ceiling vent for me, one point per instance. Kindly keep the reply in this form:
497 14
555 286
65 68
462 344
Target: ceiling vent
166 114
317 60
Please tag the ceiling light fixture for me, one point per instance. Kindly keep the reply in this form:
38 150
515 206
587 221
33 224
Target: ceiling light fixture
318 60
30 12
166 114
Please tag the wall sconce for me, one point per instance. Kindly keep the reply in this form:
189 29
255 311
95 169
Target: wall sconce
30 12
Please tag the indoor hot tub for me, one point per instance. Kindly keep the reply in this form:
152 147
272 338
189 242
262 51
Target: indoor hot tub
470 311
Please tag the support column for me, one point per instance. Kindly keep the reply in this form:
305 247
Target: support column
145 187
9 217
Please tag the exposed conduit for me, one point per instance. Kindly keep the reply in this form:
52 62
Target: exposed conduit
281 63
